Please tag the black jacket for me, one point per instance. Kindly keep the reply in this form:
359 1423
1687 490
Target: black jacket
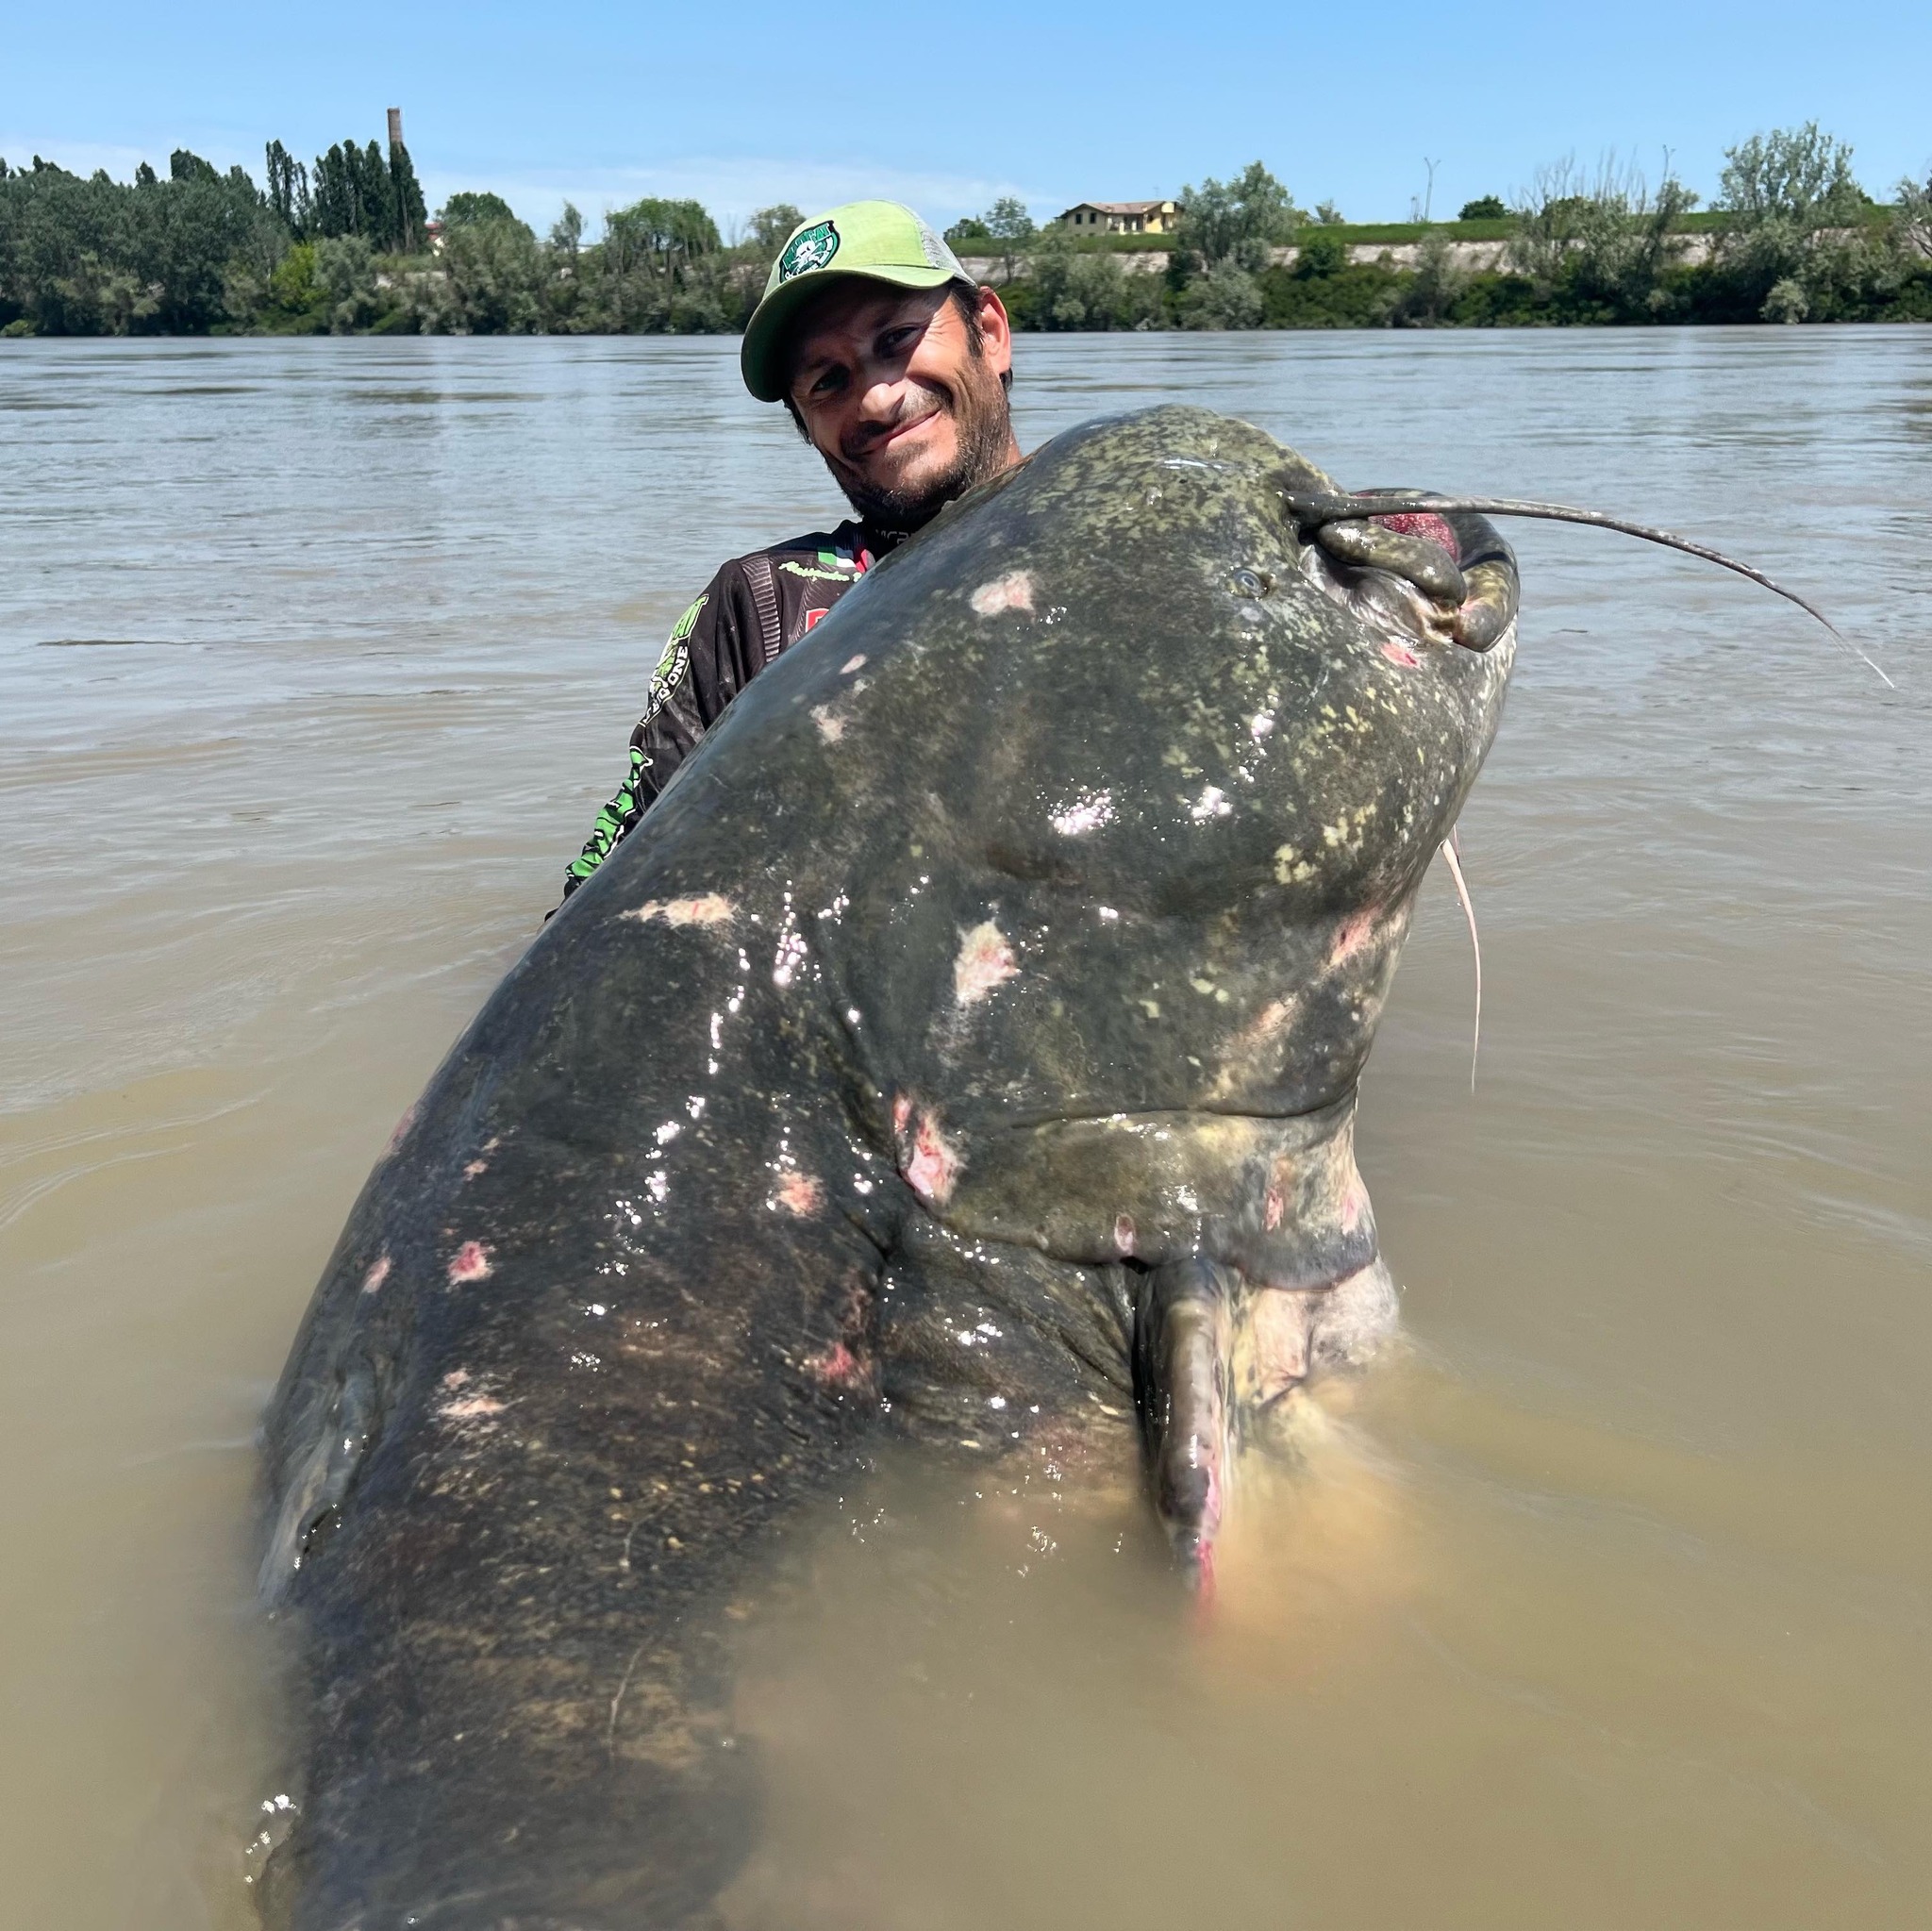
756 607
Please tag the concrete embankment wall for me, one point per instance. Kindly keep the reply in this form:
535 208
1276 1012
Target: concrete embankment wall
1478 258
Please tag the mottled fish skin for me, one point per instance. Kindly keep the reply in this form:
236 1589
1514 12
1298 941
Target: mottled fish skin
1088 828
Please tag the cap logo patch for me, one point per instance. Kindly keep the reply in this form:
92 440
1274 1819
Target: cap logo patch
811 248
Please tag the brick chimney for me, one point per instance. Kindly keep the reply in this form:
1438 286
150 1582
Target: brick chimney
395 128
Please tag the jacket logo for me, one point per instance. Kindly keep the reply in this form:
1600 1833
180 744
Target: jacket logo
674 665
811 248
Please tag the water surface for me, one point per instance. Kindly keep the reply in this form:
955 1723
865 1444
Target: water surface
1610 1605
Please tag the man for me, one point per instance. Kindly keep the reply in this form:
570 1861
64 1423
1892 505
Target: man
894 366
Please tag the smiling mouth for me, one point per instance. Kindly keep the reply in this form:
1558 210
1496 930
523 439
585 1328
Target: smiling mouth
893 437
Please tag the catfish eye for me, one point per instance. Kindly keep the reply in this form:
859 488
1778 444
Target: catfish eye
1253 583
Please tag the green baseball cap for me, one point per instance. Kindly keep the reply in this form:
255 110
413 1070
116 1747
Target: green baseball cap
870 240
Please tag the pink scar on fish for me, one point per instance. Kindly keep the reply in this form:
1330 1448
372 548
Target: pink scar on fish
839 1368
1123 1233
1013 592
1271 1210
706 909
851 664
471 1408
1401 653
1355 935
474 1168
930 1166
403 1126
831 728
800 1195
985 962
377 1274
471 1262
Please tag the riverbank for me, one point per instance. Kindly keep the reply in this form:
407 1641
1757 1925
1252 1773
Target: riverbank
202 253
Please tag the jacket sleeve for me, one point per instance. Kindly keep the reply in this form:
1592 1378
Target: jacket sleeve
701 671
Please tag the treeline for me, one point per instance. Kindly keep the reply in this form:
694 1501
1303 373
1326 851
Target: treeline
1791 237
344 246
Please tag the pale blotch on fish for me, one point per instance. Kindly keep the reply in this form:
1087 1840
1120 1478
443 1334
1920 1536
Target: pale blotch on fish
377 1274
800 1195
985 962
831 727
1212 803
702 908
1013 592
851 664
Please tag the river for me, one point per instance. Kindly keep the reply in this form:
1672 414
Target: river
1610 1604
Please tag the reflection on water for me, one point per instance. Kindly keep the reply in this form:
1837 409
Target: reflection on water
1606 1606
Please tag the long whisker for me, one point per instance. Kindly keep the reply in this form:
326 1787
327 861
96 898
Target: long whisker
1475 1045
1312 512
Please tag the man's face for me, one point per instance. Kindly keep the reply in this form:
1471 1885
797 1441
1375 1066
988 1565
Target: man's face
906 408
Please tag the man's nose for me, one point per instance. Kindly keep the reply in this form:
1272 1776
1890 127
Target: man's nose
881 395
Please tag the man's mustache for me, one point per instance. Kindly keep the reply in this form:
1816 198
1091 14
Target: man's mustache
856 444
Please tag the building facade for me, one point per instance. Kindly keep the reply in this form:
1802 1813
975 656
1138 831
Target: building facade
1122 217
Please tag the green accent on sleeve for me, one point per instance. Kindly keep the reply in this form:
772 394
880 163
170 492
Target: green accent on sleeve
805 570
612 821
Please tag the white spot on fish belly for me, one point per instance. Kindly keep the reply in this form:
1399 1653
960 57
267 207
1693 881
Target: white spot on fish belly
985 962
851 664
830 728
1013 592
1088 812
377 1274
1212 803
704 909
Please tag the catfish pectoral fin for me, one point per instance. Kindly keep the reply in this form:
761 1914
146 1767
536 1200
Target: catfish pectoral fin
1182 1322
322 1480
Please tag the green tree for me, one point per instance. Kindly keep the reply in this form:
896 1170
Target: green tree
1238 223
1011 230
288 189
472 209
407 215
969 233
1602 248
1485 207
770 227
1070 288
1793 214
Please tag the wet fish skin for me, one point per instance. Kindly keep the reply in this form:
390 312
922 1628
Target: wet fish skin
1087 831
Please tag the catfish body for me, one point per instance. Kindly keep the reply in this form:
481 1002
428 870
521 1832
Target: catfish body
1002 965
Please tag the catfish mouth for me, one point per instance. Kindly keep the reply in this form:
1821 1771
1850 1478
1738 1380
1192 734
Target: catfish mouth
1337 522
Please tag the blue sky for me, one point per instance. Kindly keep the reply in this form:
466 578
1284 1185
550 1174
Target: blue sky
946 107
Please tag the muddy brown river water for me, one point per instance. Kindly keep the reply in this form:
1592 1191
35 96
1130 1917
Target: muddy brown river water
1610 1604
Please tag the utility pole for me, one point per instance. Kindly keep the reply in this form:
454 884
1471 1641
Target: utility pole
1429 199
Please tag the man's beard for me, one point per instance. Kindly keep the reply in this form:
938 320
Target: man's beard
985 431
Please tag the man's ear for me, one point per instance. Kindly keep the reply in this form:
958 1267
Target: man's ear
996 330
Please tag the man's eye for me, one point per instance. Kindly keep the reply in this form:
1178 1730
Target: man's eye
829 383
896 338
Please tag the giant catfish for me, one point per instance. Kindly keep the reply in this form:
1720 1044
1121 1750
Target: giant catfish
1002 966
